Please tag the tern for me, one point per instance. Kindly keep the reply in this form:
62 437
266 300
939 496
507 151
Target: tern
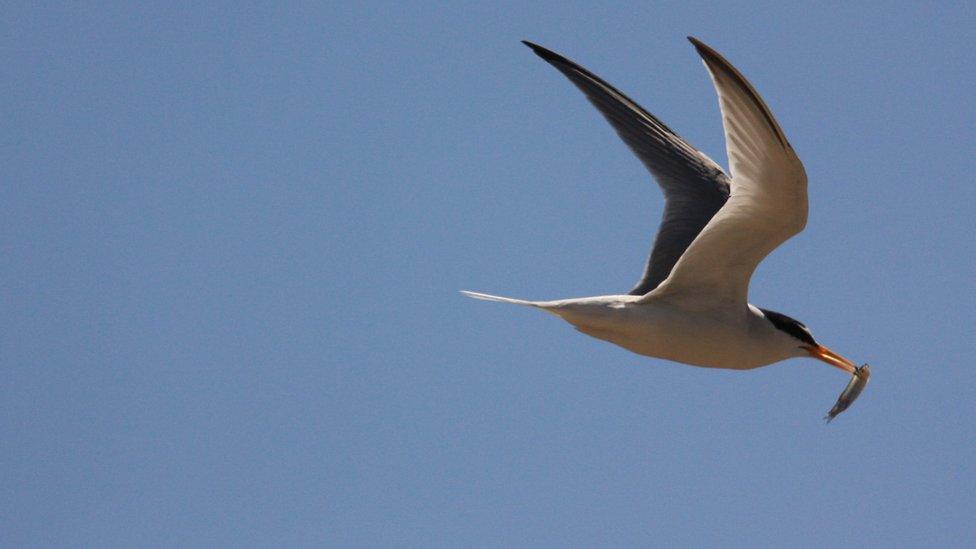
691 305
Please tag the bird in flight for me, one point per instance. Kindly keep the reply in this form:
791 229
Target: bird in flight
691 304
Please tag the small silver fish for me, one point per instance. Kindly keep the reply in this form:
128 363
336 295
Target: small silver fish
853 390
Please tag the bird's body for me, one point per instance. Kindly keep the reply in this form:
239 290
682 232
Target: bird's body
736 338
691 305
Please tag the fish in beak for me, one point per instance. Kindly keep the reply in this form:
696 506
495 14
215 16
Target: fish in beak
853 390
859 377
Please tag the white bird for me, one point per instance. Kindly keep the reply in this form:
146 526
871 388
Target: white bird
691 305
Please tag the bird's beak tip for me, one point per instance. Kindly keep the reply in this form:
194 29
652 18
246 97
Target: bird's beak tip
824 354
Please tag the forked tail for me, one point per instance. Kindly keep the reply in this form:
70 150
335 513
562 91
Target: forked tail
577 312
489 297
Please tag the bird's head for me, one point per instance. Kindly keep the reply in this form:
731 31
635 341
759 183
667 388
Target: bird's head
805 341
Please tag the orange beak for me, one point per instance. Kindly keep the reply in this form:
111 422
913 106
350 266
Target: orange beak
822 353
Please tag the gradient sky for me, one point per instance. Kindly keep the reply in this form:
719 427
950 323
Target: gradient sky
232 240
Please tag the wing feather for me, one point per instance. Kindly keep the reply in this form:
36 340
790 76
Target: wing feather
768 202
694 186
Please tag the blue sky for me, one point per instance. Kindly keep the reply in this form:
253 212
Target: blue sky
233 237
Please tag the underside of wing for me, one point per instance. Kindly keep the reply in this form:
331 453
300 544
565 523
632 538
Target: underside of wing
694 186
768 202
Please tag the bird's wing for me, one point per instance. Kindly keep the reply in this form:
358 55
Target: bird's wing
768 202
694 186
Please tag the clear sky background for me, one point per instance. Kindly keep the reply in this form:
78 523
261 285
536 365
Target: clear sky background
232 239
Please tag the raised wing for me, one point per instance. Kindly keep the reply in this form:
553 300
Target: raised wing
694 186
768 203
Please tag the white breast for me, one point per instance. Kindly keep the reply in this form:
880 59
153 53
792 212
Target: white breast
734 338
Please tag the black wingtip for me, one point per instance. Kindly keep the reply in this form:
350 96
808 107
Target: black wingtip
714 61
703 48
543 52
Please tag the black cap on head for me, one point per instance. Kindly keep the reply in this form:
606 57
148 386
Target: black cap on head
791 326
